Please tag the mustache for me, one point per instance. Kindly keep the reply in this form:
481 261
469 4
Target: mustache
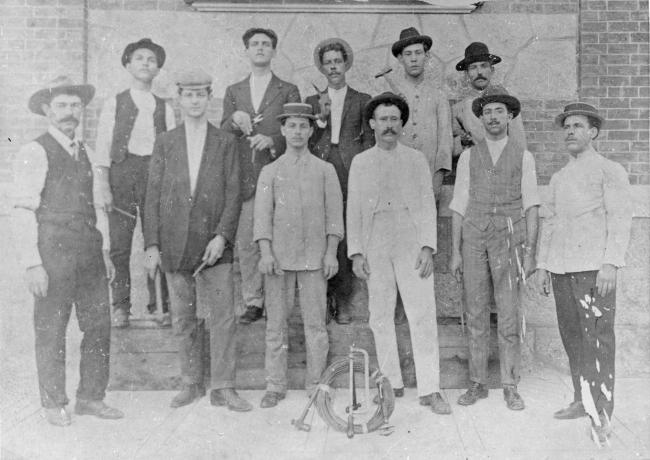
69 118
480 77
389 131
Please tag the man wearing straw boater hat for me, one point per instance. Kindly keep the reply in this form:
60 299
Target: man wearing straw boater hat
191 211
494 236
339 134
478 66
582 246
64 246
298 225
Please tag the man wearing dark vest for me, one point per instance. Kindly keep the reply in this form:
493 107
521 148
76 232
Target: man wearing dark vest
128 126
191 213
63 242
494 236
250 111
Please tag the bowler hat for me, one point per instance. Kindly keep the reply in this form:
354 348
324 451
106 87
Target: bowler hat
477 52
60 85
349 55
580 108
193 79
496 94
146 43
408 37
296 109
387 98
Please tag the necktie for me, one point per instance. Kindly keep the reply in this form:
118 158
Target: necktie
74 147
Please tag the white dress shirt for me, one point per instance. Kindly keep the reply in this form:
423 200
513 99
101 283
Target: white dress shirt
337 98
529 192
258 89
195 141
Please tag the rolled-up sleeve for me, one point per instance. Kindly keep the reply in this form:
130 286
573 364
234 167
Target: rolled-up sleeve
546 228
461 187
333 203
617 201
263 210
445 138
105 126
529 190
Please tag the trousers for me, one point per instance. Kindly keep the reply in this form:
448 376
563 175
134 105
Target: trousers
252 281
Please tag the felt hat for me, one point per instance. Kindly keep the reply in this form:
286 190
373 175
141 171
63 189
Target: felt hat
158 50
496 94
194 79
349 55
477 52
580 108
296 109
60 85
387 98
408 37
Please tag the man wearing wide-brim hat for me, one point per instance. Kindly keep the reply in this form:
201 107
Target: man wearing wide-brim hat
478 66
298 226
64 247
583 244
340 133
494 236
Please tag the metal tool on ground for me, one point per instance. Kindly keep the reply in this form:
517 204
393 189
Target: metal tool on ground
300 422
201 267
123 212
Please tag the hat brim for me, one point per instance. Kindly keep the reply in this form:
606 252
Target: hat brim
399 45
44 96
158 50
329 41
369 109
511 102
559 120
491 58
308 116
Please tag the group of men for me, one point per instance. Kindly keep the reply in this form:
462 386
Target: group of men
276 182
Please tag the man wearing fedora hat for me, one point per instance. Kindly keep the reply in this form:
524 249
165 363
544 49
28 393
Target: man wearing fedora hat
298 226
64 246
191 211
250 110
391 224
582 246
127 128
478 65
429 126
339 134
494 236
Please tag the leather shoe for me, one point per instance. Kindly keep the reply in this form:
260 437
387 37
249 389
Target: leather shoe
475 392
343 318
120 318
57 416
165 320
513 400
97 408
437 403
575 410
187 395
271 399
602 432
251 314
229 397
397 392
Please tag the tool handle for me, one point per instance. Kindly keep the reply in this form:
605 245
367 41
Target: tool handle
350 431
159 300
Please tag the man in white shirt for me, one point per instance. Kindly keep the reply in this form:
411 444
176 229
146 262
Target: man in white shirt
64 246
127 128
494 235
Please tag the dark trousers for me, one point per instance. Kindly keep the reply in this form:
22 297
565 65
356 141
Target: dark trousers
586 322
129 185
77 275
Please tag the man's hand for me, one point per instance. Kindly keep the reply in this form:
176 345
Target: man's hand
360 267
268 264
529 263
456 265
37 280
543 282
242 120
108 263
606 279
260 142
214 250
424 262
152 261
325 104
330 266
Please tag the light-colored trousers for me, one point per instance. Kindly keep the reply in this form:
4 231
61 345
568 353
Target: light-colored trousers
212 292
280 298
252 281
392 251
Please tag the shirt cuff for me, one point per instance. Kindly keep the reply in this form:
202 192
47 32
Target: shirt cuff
321 124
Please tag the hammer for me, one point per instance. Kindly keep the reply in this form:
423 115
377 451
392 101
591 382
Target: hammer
300 423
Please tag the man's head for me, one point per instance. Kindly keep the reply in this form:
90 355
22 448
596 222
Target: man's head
496 108
260 45
478 65
194 91
387 114
414 58
143 59
333 57
296 122
581 124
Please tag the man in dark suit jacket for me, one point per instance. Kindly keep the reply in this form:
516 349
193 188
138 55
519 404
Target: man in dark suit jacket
191 210
339 134
250 110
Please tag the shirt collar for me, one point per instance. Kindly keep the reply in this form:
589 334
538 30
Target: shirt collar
263 79
500 144
62 139
338 92
587 153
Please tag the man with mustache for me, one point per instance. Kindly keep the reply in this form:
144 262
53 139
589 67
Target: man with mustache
494 236
582 246
127 128
250 110
298 225
339 134
62 237
391 223
478 65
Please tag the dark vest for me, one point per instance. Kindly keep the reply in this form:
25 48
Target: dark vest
125 115
495 190
67 196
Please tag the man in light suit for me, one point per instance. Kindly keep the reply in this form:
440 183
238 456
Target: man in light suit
340 132
391 224
250 110
191 210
